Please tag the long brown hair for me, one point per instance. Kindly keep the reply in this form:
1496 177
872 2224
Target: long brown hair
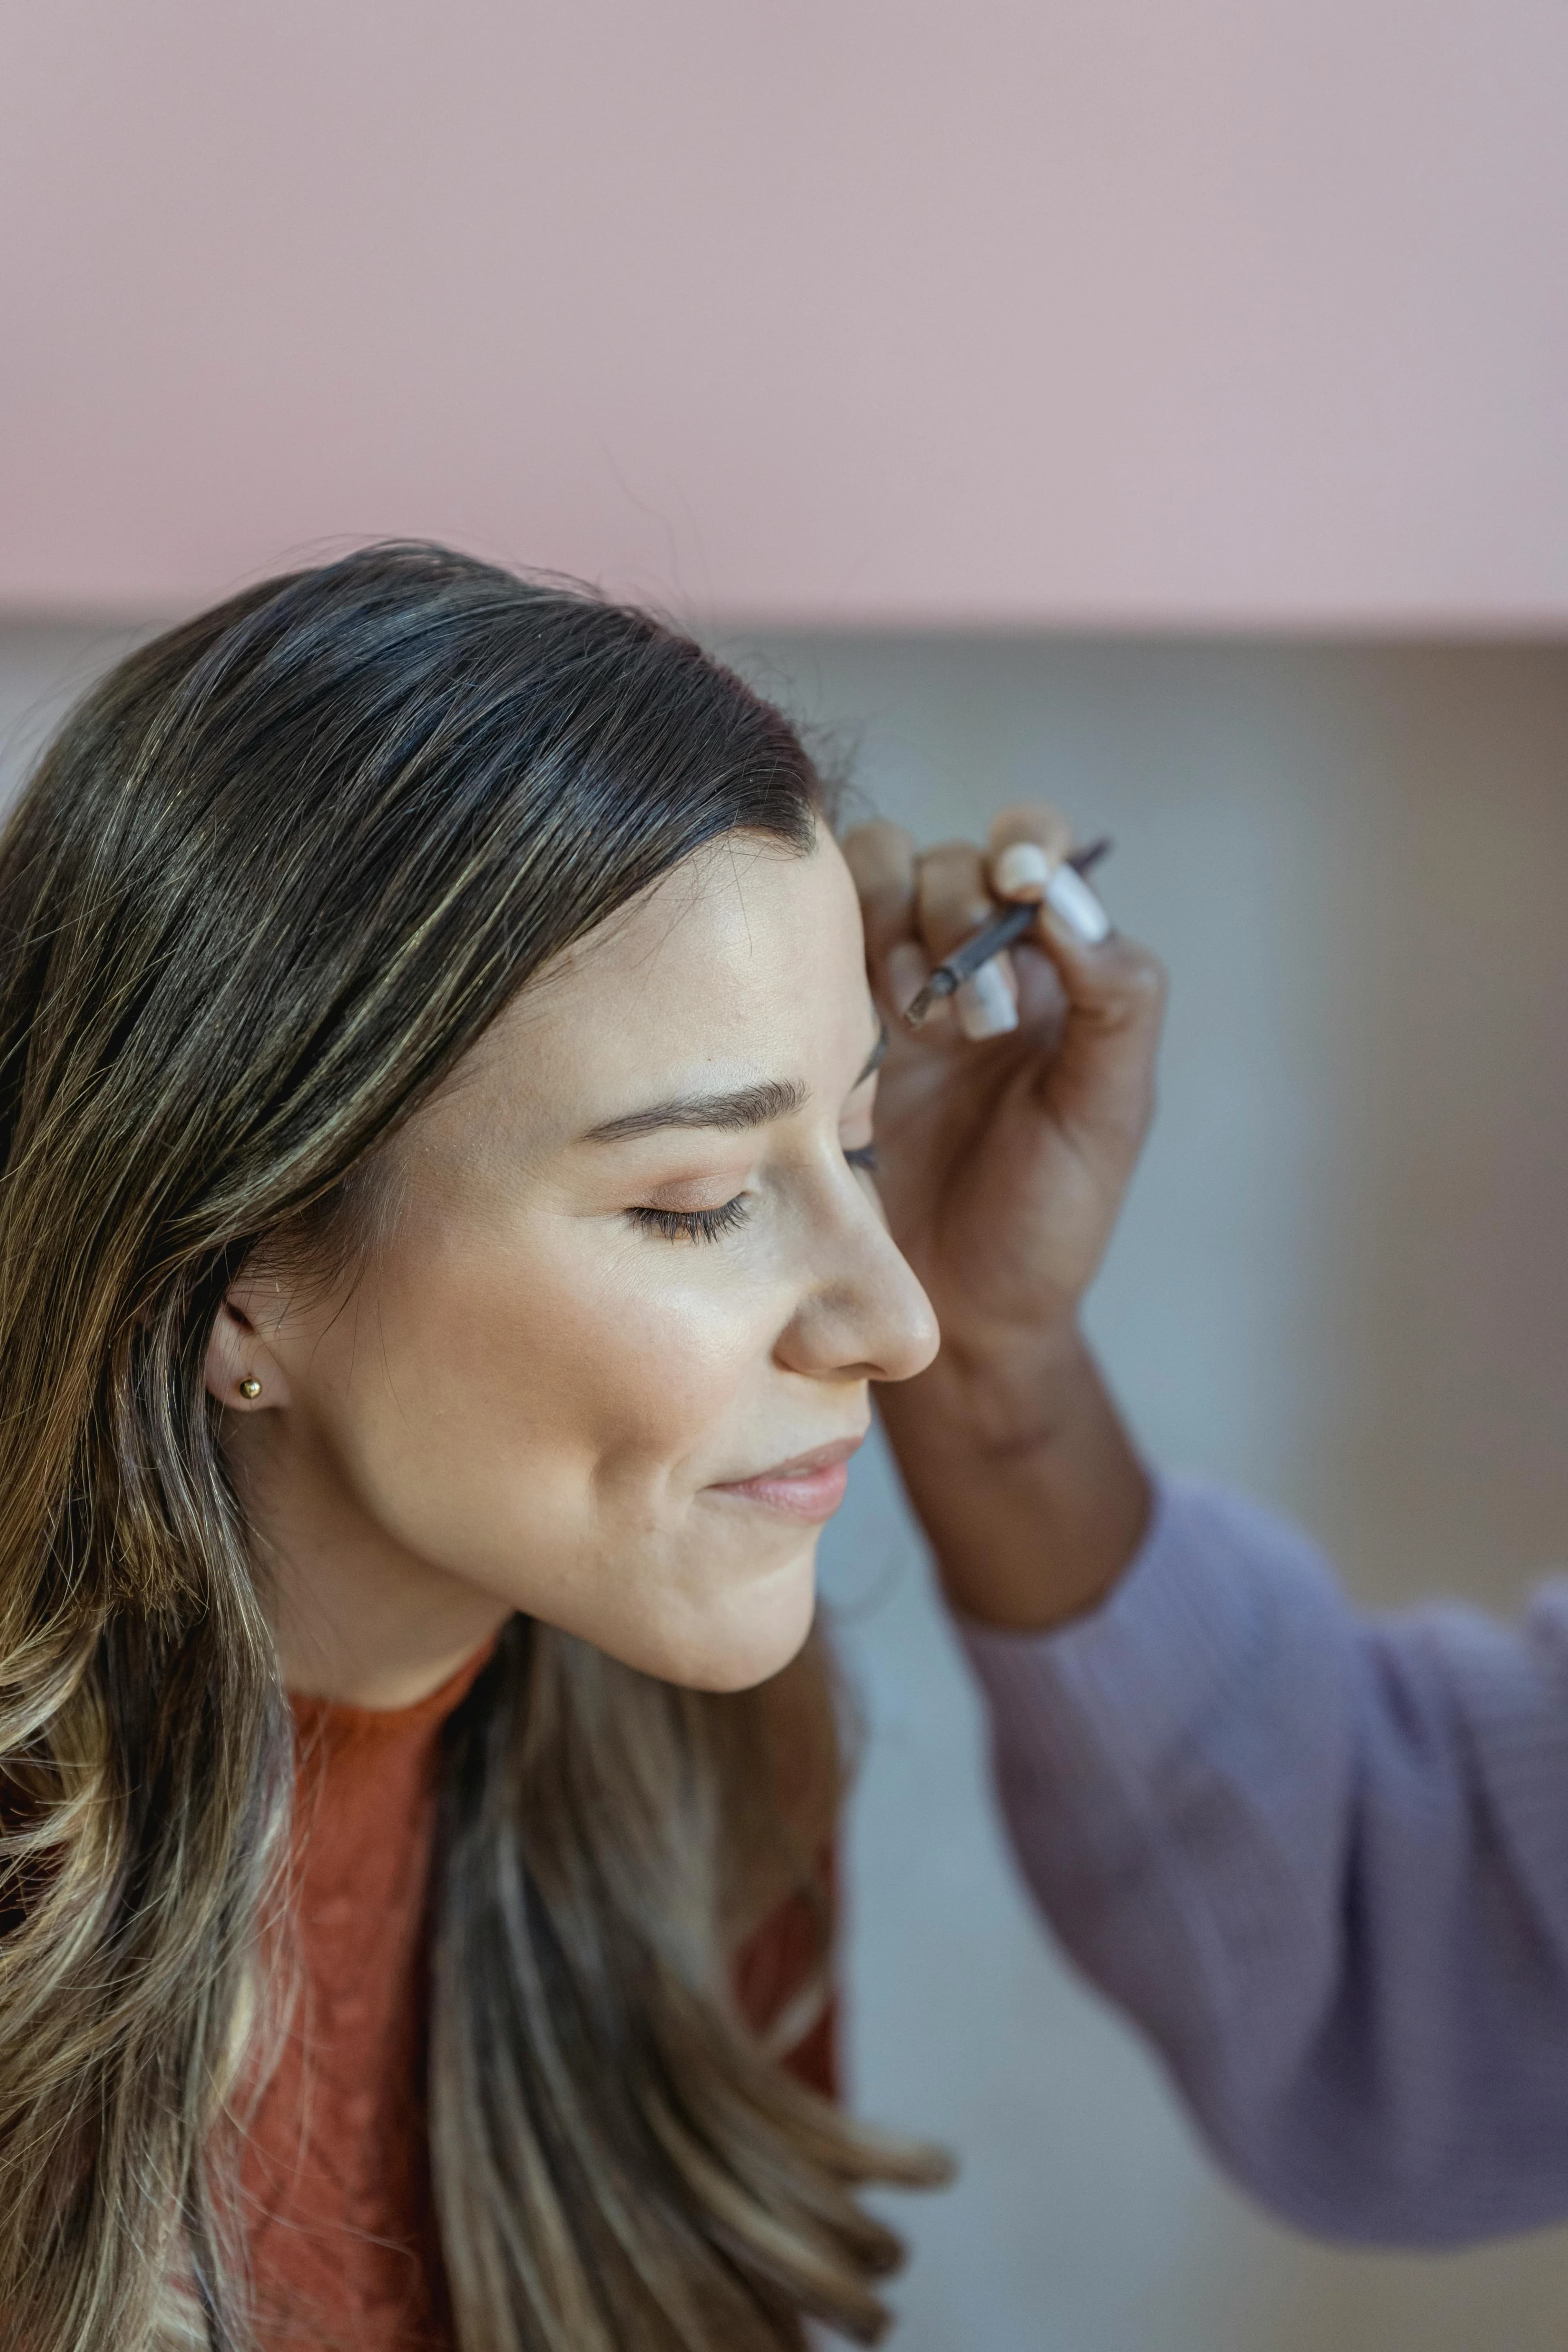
273 878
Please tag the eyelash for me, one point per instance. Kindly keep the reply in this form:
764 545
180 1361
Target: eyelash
693 1224
711 1224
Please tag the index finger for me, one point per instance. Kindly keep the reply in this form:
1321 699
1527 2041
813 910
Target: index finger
881 860
1041 827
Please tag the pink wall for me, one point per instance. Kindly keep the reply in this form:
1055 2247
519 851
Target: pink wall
1180 311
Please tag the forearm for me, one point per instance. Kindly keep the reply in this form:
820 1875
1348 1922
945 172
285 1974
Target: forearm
1024 1476
1321 1861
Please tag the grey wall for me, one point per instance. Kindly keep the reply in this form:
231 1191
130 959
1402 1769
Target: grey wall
1341 1283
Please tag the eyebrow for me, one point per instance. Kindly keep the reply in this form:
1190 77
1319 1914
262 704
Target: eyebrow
741 1107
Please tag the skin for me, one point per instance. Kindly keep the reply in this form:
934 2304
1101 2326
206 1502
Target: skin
1003 1167
544 1391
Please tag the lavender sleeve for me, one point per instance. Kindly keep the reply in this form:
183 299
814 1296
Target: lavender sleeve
1321 1859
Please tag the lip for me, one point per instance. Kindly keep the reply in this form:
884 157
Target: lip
808 1487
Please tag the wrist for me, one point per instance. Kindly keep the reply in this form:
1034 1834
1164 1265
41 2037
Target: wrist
997 1394
1024 1476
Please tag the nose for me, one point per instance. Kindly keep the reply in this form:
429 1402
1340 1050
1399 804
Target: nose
862 1315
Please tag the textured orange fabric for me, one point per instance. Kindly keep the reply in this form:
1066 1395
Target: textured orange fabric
340 2215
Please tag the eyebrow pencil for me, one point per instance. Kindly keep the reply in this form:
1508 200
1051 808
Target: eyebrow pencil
993 937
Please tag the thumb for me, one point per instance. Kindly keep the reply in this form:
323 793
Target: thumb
1099 1082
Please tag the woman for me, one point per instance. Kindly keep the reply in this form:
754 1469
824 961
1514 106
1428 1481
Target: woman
1322 1860
439 1282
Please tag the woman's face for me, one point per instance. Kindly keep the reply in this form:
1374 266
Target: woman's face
611 1359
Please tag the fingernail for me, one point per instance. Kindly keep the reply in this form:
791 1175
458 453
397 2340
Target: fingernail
1068 895
907 973
1022 870
986 1005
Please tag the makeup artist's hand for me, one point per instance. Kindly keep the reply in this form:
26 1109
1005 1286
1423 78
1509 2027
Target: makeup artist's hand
1004 1158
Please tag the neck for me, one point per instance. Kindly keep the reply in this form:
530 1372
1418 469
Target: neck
358 1618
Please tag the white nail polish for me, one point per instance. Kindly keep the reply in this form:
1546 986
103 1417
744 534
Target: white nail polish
1024 870
1070 896
907 973
986 1005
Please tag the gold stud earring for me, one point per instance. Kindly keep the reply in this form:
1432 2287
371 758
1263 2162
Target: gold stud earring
251 1389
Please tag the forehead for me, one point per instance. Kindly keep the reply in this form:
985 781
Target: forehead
745 962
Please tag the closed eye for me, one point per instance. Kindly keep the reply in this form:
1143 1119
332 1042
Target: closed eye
693 1225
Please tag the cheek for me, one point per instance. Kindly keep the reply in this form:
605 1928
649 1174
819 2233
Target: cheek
539 1422
614 1369
538 1387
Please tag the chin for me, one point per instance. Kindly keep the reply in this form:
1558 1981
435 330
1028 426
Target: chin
750 1635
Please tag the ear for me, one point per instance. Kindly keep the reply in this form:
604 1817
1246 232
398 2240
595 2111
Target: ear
237 1355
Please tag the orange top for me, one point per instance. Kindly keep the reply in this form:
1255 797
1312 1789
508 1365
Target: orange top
341 2218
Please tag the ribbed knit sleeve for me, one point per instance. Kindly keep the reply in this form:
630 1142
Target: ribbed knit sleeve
1321 1859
